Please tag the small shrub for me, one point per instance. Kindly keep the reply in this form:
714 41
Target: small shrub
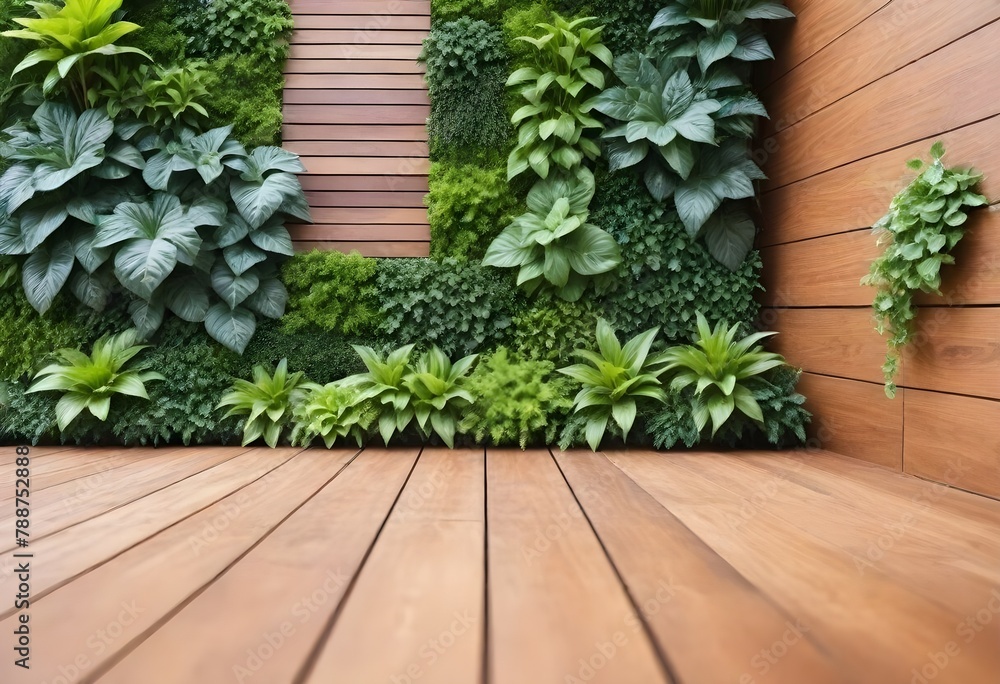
552 329
384 381
244 27
334 411
247 93
331 291
267 402
322 356
467 207
626 22
439 397
446 10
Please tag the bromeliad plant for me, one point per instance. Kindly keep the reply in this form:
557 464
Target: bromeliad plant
385 380
722 370
556 127
439 396
924 224
268 402
553 245
615 382
334 411
90 382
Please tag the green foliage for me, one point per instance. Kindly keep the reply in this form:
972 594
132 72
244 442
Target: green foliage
552 329
448 10
625 21
385 382
247 92
438 393
322 356
74 37
523 21
460 307
159 96
90 382
665 276
722 370
466 206
516 401
552 245
267 402
616 381
11 53
334 411
261 28
783 425
555 125
331 291
25 335
925 222
159 36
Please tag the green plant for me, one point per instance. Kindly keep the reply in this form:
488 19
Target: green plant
160 96
516 401
267 402
323 356
259 27
90 382
460 307
925 222
438 393
625 21
553 127
466 206
722 371
614 383
552 245
385 380
446 10
75 37
334 411
331 291
552 329
246 92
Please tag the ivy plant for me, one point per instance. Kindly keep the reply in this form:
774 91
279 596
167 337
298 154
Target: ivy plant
924 224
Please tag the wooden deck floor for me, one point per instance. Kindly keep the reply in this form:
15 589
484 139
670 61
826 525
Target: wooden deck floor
206 566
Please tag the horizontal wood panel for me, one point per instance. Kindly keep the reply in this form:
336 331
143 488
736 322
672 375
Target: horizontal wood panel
358 7
352 148
357 97
340 132
373 216
948 89
356 114
365 166
354 66
874 434
368 249
359 233
352 51
365 22
364 183
913 29
366 199
953 440
359 36
339 81
857 195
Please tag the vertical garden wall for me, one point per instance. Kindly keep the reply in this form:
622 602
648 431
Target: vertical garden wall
855 93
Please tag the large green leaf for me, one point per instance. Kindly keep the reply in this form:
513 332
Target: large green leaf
188 297
45 272
233 289
143 264
258 201
81 146
729 236
232 328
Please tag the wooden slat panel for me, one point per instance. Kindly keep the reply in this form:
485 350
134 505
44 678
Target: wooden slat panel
948 89
355 114
387 217
823 272
320 132
350 52
953 440
363 97
855 418
348 233
914 30
297 577
543 616
857 195
367 166
54 470
363 22
353 148
364 183
374 36
839 342
369 249
369 7
424 583
354 66
693 590
365 199
352 81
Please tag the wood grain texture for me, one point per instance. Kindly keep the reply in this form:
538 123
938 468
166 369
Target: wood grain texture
364 22
353 148
365 199
947 89
364 183
341 81
367 166
376 8
838 342
953 440
341 232
353 132
359 36
388 217
354 51
354 66
355 114
357 97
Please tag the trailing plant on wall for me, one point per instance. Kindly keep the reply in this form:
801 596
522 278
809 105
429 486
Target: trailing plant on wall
925 222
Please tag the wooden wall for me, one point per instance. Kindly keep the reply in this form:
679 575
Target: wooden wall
858 89
355 110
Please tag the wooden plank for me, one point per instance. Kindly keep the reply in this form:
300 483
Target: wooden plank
75 550
355 114
354 81
857 58
358 36
297 577
388 217
554 599
369 233
817 584
368 249
855 419
352 51
321 132
838 342
364 22
945 90
411 200
417 608
353 148
686 590
364 183
857 195
146 584
354 66
69 465
367 166
369 7
953 440
357 97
